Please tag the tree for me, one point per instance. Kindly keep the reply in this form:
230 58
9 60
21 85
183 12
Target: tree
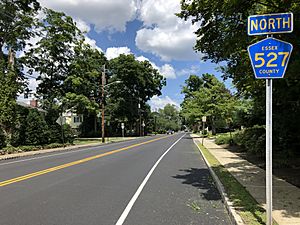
8 95
167 119
222 37
139 82
83 83
36 130
2 139
192 84
52 55
82 87
16 27
20 124
212 99
16 23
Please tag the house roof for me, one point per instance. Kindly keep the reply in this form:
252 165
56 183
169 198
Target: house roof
30 107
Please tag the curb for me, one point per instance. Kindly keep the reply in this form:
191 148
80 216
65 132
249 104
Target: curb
234 216
51 150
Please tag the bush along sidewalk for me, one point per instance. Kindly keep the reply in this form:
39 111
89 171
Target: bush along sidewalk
251 140
247 207
28 148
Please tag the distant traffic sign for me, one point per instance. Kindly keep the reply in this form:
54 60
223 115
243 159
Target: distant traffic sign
270 24
61 120
269 58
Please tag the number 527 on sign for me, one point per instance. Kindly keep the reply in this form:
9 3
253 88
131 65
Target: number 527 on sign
269 58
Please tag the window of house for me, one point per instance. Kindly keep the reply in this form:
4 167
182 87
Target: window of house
77 119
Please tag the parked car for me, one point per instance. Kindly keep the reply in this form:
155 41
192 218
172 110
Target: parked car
170 132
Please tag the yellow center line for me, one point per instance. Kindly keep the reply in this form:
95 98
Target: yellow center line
52 169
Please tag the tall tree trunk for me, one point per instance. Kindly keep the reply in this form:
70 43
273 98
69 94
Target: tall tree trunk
95 123
213 126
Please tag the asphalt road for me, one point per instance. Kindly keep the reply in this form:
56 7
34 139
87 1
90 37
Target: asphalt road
149 181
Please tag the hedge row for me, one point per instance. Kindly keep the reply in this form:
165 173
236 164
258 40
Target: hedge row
252 140
27 148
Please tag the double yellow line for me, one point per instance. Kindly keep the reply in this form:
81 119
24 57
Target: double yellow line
52 169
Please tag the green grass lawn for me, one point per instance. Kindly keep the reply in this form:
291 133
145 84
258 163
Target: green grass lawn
84 141
79 141
248 208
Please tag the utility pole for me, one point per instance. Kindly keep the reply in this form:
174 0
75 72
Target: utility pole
102 105
203 127
140 119
154 124
62 126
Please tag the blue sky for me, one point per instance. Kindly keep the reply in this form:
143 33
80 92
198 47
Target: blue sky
146 28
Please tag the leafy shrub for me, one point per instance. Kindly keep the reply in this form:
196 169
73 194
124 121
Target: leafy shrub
10 149
161 131
36 130
28 148
223 139
55 145
69 134
238 138
252 140
18 133
2 139
54 134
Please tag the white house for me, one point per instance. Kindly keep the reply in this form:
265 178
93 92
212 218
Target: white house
73 119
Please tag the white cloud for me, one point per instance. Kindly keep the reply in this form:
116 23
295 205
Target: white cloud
82 26
143 58
193 70
159 12
92 43
168 71
166 35
114 52
160 102
104 14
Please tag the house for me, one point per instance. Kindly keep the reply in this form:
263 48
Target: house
33 105
69 116
73 119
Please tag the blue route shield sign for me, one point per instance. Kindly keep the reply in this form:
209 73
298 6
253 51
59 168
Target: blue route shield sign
269 58
270 24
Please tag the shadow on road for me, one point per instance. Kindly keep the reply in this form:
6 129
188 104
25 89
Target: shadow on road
201 179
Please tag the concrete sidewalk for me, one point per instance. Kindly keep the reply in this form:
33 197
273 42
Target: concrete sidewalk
286 197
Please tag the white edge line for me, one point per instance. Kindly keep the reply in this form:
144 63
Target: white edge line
66 151
126 211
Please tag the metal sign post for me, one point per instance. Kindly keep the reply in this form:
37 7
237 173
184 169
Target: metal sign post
269 150
269 59
203 125
123 127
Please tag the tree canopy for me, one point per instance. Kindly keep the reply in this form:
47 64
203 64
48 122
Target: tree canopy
210 98
139 81
222 37
17 22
